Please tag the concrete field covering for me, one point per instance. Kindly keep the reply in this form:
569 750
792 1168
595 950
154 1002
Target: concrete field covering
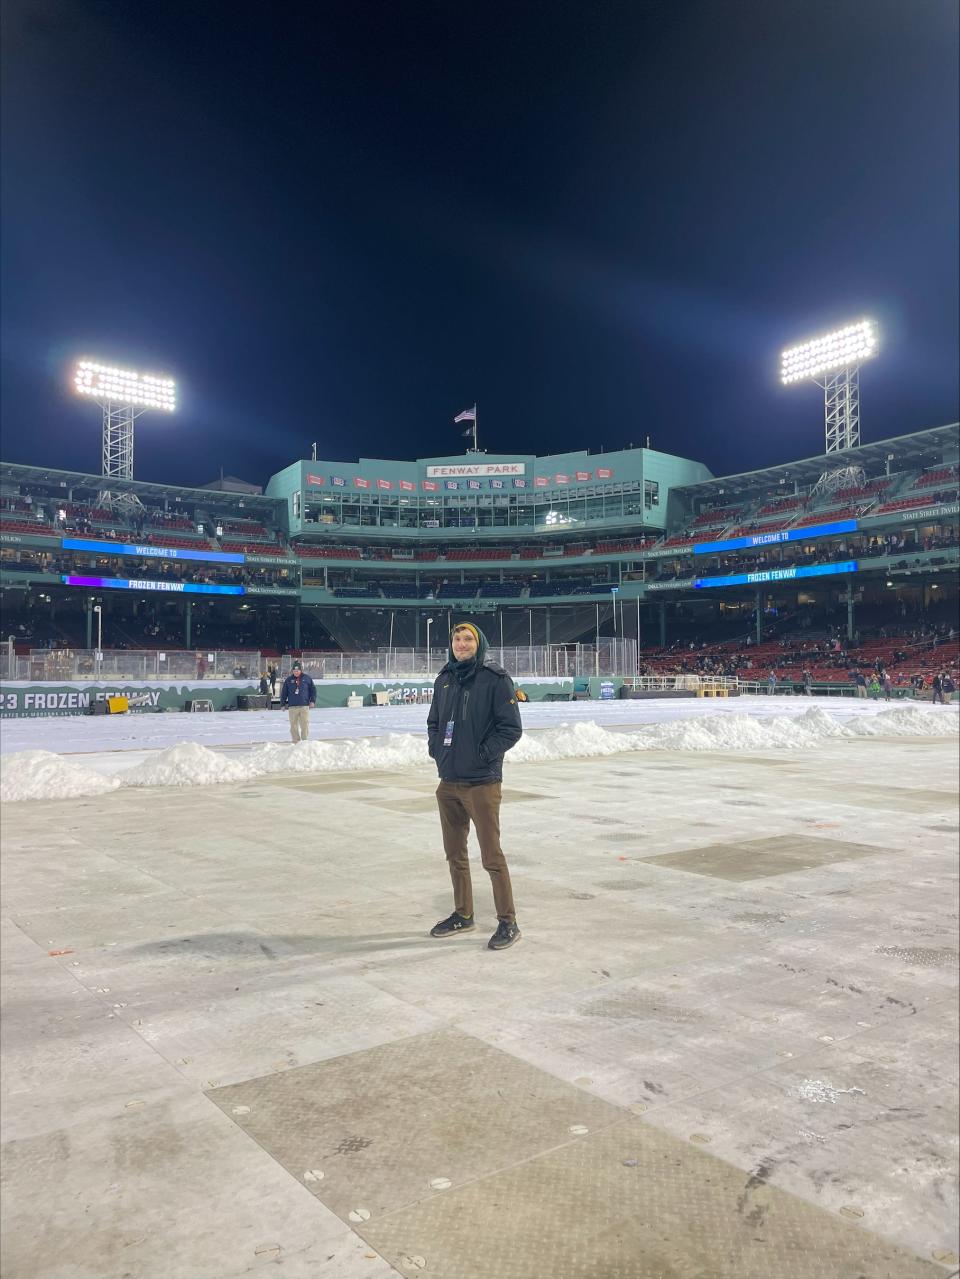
726 1045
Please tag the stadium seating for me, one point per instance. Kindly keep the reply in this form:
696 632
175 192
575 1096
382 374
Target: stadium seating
307 552
16 525
827 516
478 553
782 504
254 548
941 475
720 515
910 503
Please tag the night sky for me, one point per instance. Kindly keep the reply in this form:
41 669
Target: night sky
345 222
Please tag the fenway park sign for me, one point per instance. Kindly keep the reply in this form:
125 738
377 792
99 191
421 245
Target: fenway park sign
475 470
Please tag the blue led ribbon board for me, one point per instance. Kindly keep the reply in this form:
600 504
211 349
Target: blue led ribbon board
777 575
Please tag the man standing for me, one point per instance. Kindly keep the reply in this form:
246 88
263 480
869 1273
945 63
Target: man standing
298 694
473 722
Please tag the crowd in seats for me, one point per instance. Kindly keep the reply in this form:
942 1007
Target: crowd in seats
909 503
906 651
162 519
941 475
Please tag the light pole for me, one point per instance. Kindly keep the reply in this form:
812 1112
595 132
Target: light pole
123 395
429 624
98 609
833 363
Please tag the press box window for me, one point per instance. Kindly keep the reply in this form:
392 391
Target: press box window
651 494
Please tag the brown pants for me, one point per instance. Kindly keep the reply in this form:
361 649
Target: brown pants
299 723
460 804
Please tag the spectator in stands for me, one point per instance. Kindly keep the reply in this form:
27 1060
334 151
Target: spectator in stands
264 686
299 695
201 666
772 683
272 677
472 723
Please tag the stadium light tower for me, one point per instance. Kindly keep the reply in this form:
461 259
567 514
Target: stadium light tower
833 363
124 395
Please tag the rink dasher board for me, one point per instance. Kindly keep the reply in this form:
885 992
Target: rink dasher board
23 699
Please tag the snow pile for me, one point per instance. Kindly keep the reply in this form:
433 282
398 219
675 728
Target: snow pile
727 732
911 721
395 750
583 740
188 764
44 775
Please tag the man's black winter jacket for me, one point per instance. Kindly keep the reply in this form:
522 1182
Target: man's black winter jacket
486 723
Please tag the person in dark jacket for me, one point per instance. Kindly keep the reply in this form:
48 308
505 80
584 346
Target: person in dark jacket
298 694
473 722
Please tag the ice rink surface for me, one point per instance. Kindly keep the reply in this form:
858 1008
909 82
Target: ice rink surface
726 1045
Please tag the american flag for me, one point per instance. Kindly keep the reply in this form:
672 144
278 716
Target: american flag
468 415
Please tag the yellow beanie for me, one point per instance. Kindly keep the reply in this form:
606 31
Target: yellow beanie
467 626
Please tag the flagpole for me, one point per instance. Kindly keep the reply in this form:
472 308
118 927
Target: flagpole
475 448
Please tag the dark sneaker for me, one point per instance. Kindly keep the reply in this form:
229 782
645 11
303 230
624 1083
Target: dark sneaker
505 936
451 926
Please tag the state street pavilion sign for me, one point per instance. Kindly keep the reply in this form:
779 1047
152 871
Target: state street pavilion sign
476 470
